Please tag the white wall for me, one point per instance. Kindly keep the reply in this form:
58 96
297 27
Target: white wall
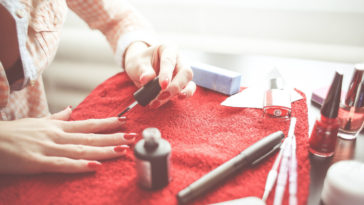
312 29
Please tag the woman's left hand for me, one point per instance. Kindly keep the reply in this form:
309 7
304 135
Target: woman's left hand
143 63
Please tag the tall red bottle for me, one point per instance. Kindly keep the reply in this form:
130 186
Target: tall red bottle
324 133
351 112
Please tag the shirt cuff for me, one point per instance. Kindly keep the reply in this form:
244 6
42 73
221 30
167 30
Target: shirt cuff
126 39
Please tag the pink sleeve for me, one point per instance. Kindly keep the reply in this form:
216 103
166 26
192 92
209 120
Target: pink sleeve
117 20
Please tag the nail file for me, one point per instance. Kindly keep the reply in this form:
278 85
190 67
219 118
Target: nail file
216 79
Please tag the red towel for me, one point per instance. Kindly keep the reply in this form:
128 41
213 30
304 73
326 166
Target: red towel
203 134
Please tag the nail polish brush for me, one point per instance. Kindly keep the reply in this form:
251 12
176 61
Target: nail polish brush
144 95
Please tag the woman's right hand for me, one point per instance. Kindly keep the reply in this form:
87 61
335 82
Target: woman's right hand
53 144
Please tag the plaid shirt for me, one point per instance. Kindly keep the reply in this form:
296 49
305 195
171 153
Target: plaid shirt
38 25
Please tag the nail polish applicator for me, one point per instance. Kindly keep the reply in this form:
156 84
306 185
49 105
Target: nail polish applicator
144 95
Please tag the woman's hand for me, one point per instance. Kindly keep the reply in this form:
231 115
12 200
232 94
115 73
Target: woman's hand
143 63
53 144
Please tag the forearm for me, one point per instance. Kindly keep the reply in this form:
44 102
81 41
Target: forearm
117 20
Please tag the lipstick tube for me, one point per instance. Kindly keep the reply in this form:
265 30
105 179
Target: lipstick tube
324 133
277 100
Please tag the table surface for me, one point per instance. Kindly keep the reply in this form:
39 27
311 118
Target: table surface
305 75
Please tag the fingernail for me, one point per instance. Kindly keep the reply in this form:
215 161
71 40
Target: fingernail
94 165
164 95
121 148
164 84
122 119
155 104
182 96
130 136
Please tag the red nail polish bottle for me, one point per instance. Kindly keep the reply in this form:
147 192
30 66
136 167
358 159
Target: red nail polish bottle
277 100
324 133
351 112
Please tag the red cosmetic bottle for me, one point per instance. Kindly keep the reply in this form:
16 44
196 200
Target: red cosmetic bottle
277 100
324 133
351 112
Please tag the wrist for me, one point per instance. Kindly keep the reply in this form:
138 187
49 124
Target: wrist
137 44
133 47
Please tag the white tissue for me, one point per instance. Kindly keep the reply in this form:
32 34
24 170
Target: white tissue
253 98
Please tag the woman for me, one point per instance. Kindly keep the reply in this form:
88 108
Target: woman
32 140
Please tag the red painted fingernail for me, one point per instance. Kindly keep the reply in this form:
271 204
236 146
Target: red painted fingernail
122 119
121 148
164 84
94 165
182 96
130 136
164 95
155 104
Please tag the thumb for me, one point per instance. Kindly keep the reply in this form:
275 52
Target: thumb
62 115
149 73
139 64
141 75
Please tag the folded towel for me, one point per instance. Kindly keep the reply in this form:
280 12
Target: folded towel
203 134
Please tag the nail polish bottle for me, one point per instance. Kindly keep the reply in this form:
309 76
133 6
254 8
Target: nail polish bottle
351 112
152 157
324 133
277 100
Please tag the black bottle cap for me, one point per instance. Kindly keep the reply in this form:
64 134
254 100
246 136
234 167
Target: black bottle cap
332 101
148 92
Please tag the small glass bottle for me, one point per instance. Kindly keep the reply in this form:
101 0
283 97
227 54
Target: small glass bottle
152 160
351 112
324 133
277 100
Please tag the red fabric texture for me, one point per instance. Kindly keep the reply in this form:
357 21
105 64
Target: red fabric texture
203 134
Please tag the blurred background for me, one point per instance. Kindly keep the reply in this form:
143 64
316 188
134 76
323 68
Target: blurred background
212 31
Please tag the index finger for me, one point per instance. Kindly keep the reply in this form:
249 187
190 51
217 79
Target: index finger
168 60
68 165
93 125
